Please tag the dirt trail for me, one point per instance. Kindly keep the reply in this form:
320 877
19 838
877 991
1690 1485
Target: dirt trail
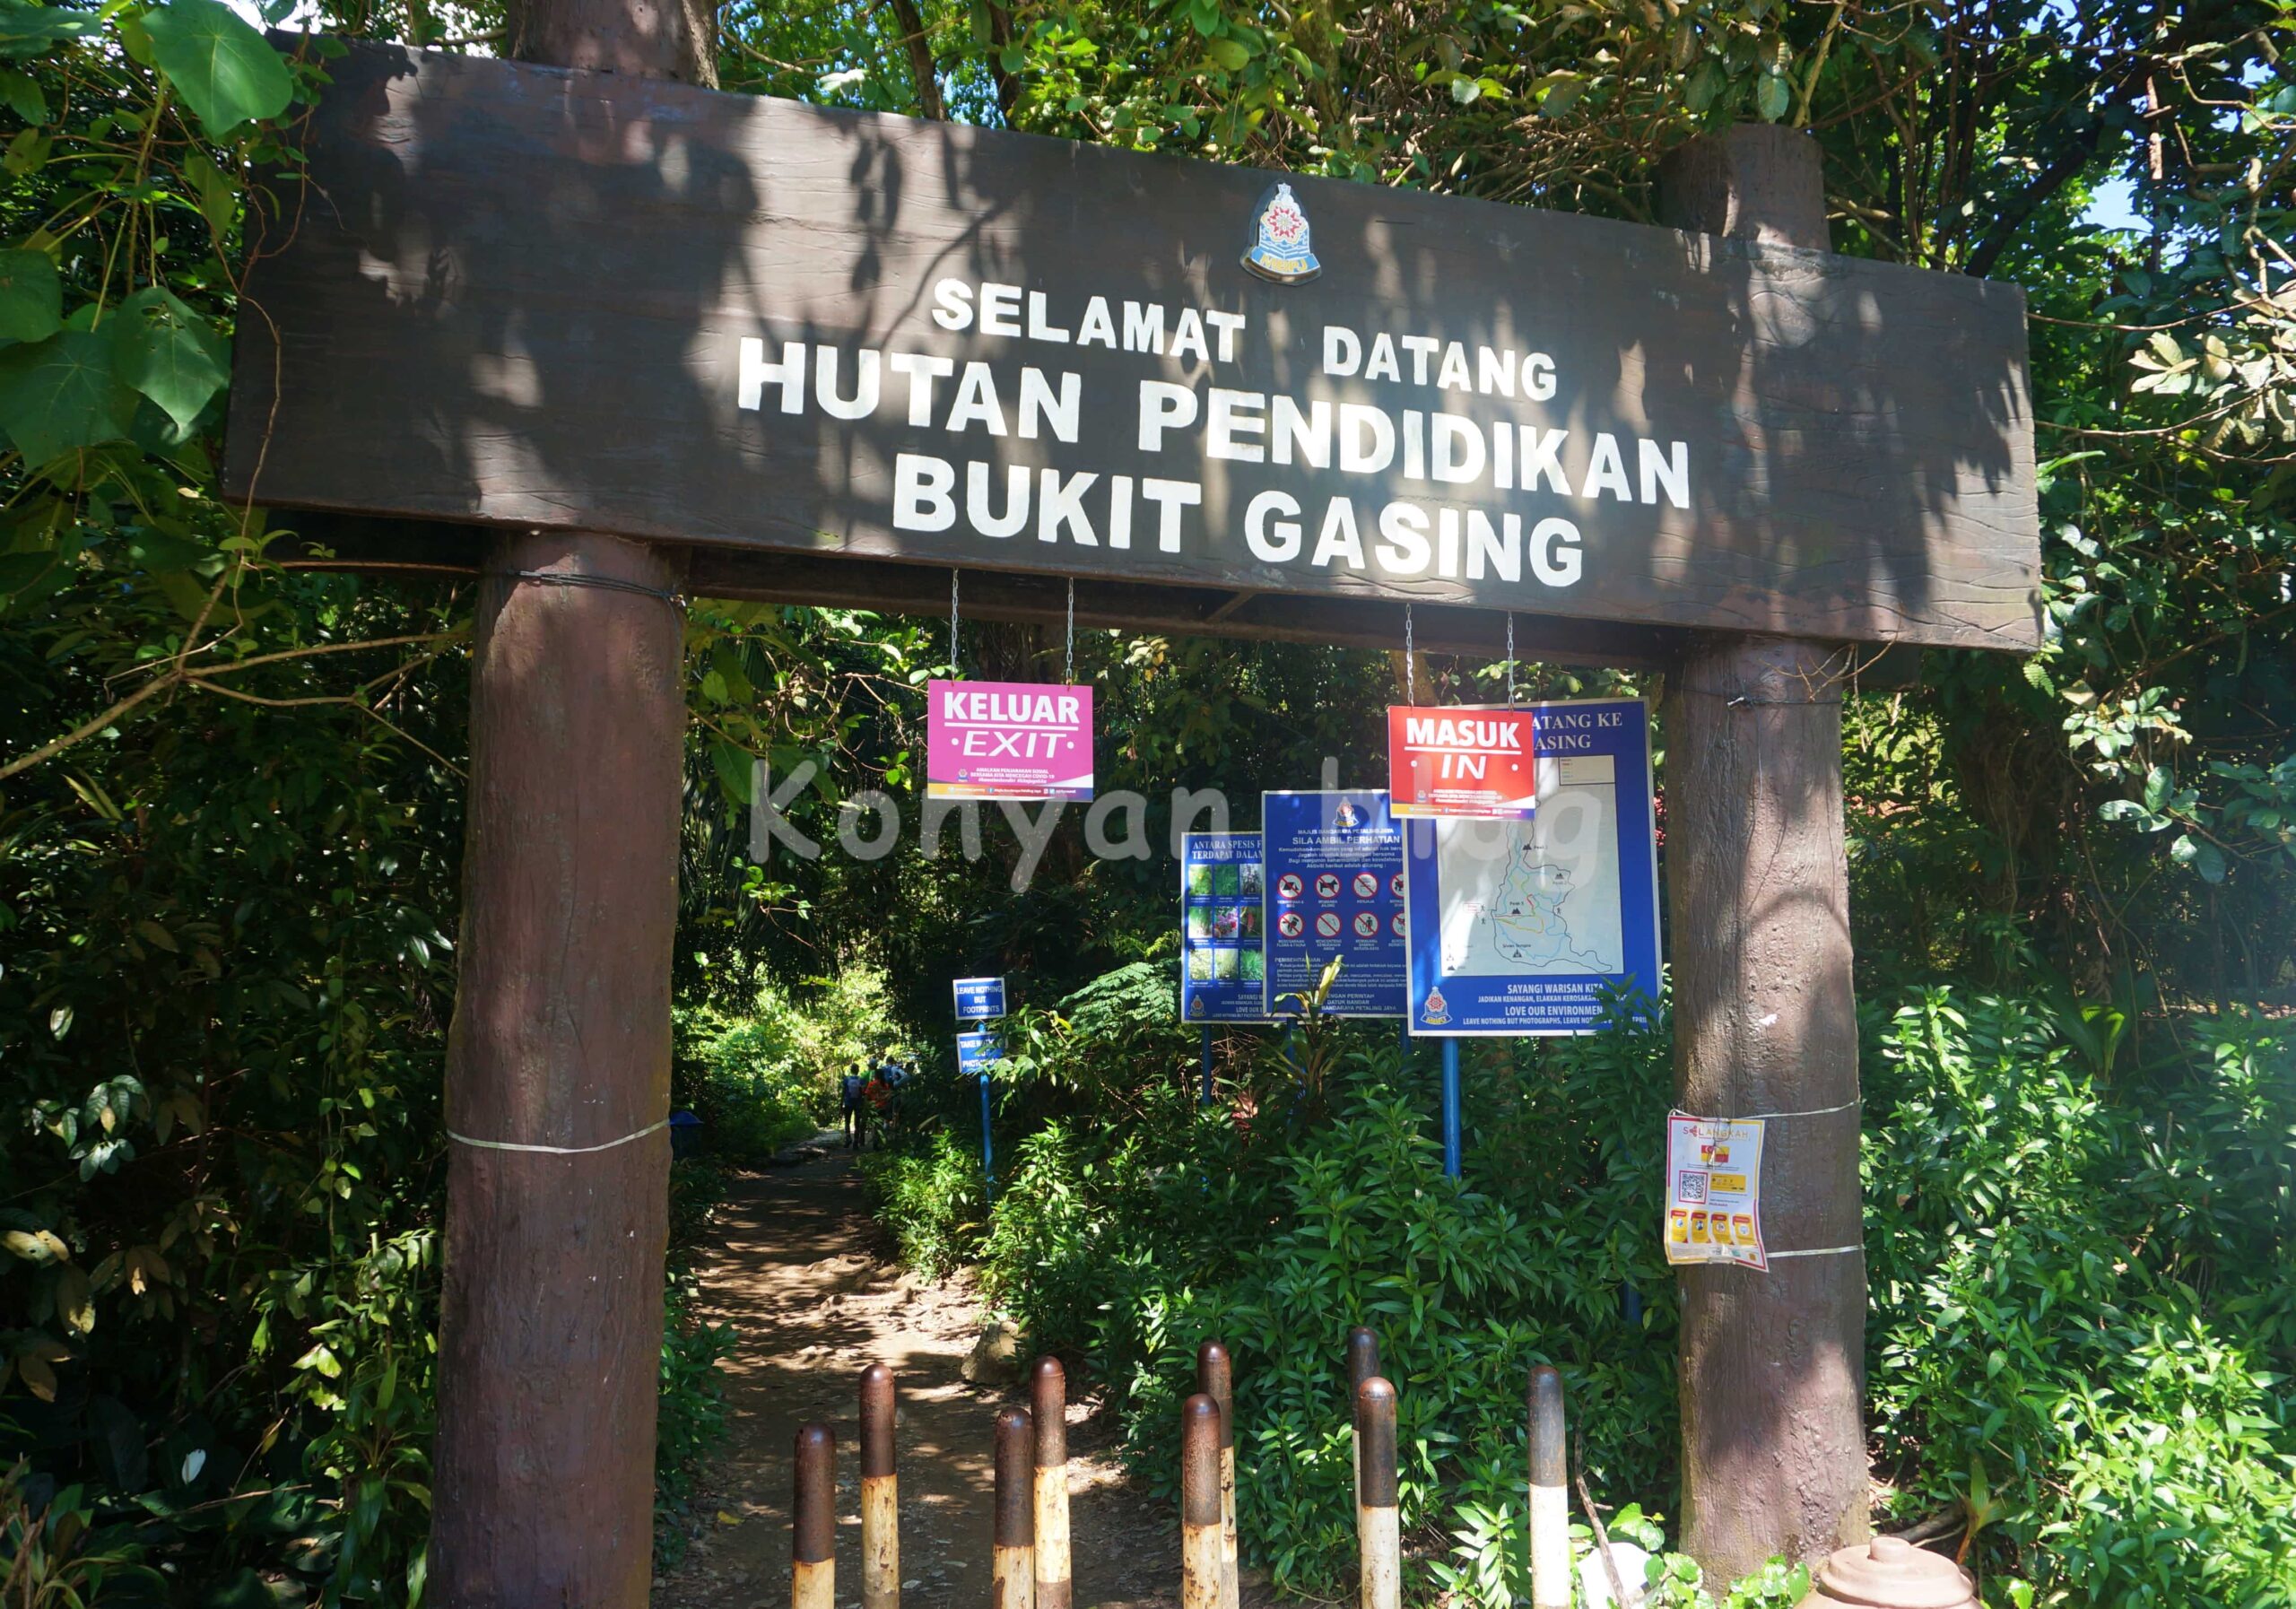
793 1268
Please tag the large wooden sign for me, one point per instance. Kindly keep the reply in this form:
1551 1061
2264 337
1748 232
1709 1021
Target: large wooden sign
520 296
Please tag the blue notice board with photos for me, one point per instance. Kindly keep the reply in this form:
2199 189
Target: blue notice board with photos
1519 927
1223 956
1334 889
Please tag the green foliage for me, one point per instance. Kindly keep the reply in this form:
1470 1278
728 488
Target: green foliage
2081 1339
928 1194
1126 1243
692 1424
770 1076
2082 1277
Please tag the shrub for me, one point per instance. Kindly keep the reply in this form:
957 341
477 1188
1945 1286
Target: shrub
928 1194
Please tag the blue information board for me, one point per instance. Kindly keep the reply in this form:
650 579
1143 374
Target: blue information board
1517 927
1224 962
1335 888
976 1051
978 999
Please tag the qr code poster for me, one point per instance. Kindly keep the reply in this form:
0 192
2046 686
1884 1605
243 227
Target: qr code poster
1714 1207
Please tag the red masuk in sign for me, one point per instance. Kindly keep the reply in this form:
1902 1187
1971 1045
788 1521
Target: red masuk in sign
1460 761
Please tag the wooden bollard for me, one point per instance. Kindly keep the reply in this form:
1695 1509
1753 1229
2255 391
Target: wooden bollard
880 1492
1550 1495
1215 1377
1049 1406
1203 1552
1378 1528
1015 1568
1362 1363
813 1515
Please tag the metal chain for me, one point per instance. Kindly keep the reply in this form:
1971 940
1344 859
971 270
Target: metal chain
1510 659
1068 666
1410 670
952 623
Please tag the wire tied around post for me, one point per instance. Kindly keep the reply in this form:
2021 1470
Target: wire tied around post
952 623
1068 665
1510 659
575 578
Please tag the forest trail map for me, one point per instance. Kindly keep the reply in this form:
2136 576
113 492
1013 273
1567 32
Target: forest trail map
1538 898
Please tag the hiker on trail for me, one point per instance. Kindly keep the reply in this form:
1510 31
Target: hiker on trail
879 1092
850 1106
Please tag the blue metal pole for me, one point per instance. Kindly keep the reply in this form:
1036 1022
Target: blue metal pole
1451 1107
988 1148
1402 1035
1207 1064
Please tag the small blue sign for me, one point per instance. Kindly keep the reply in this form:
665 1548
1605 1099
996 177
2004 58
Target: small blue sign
979 999
1517 927
1335 888
977 1052
1223 961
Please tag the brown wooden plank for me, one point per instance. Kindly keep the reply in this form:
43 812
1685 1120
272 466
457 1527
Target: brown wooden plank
516 295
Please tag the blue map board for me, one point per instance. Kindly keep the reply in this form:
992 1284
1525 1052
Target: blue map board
1335 887
980 998
1517 927
1224 962
976 1051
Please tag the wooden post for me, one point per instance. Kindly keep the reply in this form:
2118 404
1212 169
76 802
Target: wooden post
1772 1364
1012 1562
813 1521
1049 1406
880 1492
1377 1520
1362 1363
1549 1494
1215 1377
1203 1570
550 1328
558 1082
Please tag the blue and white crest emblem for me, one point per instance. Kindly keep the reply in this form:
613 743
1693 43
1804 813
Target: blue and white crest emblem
1279 248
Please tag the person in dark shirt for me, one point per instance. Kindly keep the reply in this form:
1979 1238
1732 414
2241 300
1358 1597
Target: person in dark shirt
850 1105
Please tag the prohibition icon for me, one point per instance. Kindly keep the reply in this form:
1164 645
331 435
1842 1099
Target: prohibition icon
1287 887
1366 883
1366 924
1328 924
1291 925
1328 886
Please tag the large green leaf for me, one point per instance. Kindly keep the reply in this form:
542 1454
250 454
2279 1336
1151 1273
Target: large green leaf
29 30
218 64
31 301
62 393
165 351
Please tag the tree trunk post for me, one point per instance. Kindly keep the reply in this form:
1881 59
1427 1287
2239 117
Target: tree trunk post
1772 1364
558 1062
558 1082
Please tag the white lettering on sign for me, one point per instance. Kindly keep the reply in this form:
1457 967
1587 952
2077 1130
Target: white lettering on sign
962 706
1485 467
1422 732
